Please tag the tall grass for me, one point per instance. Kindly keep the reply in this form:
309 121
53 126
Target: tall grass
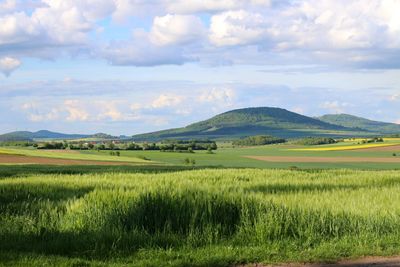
106 215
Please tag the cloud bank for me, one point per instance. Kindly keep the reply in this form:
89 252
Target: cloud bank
137 107
349 34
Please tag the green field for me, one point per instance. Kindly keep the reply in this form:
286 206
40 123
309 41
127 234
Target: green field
62 154
204 217
228 156
224 210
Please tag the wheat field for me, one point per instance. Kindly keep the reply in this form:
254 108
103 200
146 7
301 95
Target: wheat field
198 217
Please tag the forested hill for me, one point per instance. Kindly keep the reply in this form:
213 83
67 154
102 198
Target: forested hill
347 120
251 121
43 134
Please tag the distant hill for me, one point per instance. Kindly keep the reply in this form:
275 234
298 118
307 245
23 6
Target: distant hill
43 134
362 124
253 121
102 136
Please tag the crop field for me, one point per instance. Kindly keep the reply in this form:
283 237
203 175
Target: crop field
347 147
71 157
205 217
237 205
344 147
349 154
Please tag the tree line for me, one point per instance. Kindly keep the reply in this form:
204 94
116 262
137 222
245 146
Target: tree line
313 141
258 140
167 146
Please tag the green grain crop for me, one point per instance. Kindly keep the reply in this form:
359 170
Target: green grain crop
198 217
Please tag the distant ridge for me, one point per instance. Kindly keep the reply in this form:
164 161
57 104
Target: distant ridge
42 134
241 123
253 121
363 124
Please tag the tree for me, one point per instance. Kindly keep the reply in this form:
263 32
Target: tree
111 145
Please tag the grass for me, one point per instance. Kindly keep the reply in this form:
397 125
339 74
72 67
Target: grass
75 155
205 217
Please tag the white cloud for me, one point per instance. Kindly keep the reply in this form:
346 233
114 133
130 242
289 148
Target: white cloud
76 111
110 111
9 64
163 45
125 9
51 26
237 28
335 106
140 51
146 106
344 33
8 5
35 112
195 6
394 97
218 96
165 100
176 29
52 115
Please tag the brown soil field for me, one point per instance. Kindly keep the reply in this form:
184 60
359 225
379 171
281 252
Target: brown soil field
383 148
325 159
364 262
19 159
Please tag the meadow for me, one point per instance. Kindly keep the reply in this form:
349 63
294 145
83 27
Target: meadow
204 217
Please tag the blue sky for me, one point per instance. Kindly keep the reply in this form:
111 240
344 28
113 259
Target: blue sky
132 66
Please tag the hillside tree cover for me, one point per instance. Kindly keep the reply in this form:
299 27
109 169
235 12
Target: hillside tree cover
258 140
312 141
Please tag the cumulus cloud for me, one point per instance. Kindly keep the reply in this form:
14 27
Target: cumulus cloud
165 100
218 97
335 106
395 97
162 45
140 51
237 28
76 111
36 113
51 26
8 5
215 94
9 64
342 33
171 104
176 29
52 115
195 6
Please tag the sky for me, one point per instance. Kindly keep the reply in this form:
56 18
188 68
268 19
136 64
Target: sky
132 66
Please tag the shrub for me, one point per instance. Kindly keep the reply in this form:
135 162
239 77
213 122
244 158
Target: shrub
189 161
